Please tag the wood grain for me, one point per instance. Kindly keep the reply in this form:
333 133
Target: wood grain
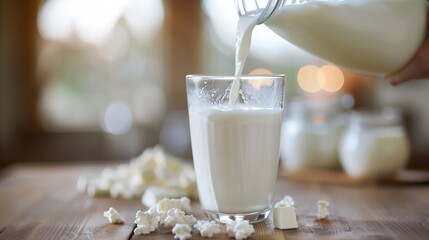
40 202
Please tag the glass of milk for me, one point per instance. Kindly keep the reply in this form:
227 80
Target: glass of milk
374 145
235 146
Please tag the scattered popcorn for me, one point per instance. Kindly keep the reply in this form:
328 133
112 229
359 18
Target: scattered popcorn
287 201
322 210
240 229
147 222
208 228
177 216
153 167
182 231
113 216
166 204
285 218
154 194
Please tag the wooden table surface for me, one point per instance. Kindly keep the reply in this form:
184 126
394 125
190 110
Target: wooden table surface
41 202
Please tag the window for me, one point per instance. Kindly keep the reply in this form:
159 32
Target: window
100 63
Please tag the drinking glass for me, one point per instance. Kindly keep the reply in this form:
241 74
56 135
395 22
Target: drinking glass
235 144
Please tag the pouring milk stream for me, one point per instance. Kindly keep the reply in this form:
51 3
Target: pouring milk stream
245 26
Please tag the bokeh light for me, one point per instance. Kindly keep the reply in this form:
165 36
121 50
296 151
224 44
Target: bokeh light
55 20
117 118
260 71
145 18
257 83
313 79
307 78
332 79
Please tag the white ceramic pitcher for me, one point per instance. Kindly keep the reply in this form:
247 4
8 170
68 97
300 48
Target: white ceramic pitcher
374 37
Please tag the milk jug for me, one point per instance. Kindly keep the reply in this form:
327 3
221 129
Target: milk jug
374 145
374 37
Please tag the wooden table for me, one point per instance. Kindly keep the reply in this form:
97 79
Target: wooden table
40 202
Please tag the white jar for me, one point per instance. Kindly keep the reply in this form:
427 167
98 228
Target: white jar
310 135
374 145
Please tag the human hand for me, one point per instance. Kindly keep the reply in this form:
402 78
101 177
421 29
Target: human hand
417 68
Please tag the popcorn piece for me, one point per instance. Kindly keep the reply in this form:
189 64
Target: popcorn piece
142 230
177 216
113 216
82 184
322 210
98 187
147 222
161 215
142 178
108 174
285 218
240 229
287 201
121 189
122 171
154 194
182 231
208 228
166 204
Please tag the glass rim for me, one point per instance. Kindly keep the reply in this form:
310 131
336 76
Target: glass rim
232 77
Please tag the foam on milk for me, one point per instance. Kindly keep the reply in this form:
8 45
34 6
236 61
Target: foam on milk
231 147
368 36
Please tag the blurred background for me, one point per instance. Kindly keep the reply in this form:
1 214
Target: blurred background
101 80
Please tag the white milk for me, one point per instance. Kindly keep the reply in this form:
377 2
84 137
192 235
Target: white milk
245 27
375 37
374 152
236 156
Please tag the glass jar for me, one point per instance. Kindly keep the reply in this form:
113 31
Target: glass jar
375 37
374 145
311 133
